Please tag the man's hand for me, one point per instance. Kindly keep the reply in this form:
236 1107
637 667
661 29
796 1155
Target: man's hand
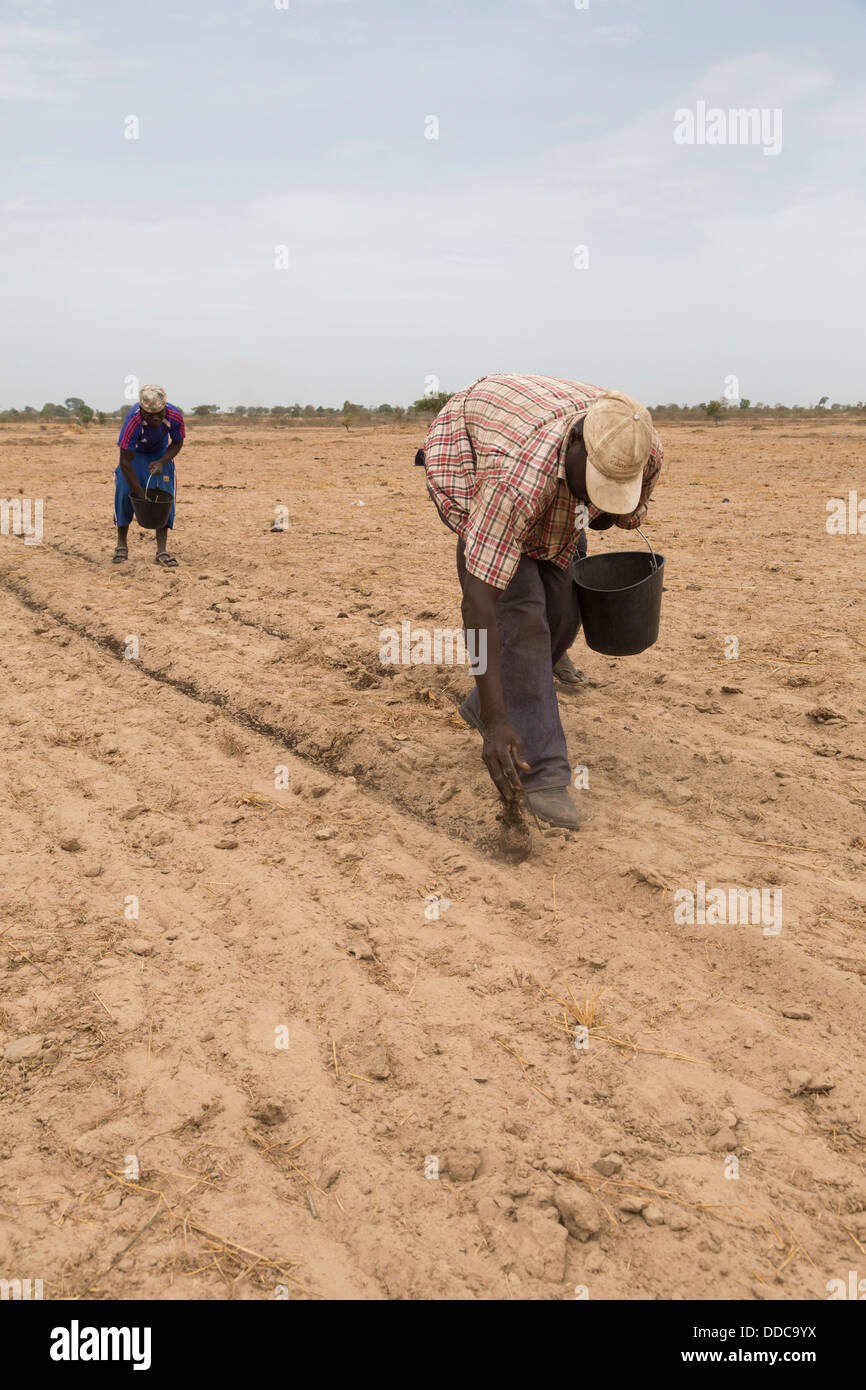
503 757
155 466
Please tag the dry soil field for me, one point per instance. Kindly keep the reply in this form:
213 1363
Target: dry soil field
249 1090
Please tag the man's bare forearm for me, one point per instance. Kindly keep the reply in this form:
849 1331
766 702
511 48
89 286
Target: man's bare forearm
126 468
171 452
480 617
502 750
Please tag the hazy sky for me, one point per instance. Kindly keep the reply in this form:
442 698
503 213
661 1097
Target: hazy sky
410 257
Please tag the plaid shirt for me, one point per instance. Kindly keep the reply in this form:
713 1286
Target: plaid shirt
495 462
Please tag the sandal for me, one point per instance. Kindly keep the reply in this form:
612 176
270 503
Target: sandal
566 671
167 561
120 554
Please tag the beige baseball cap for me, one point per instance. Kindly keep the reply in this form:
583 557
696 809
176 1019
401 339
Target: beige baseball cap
618 434
152 397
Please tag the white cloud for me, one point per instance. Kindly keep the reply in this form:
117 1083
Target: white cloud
608 36
37 65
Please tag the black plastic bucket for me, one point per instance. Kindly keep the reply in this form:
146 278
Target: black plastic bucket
153 510
620 601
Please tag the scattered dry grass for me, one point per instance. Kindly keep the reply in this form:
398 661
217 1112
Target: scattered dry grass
230 742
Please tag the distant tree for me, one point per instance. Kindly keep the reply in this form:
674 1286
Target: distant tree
76 407
205 410
744 403
384 409
714 409
823 401
239 410
434 402
50 411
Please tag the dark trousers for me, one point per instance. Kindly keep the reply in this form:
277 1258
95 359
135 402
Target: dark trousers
538 617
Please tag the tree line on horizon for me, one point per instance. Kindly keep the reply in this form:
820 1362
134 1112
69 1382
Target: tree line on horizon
76 409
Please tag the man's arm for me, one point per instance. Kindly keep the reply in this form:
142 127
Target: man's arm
171 453
502 751
126 468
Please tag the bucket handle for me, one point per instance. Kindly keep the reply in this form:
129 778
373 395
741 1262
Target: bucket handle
655 562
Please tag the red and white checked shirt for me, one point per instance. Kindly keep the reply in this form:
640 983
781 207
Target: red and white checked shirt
495 463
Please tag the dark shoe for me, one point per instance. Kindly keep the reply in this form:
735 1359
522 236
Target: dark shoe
120 554
554 806
467 714
567 672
